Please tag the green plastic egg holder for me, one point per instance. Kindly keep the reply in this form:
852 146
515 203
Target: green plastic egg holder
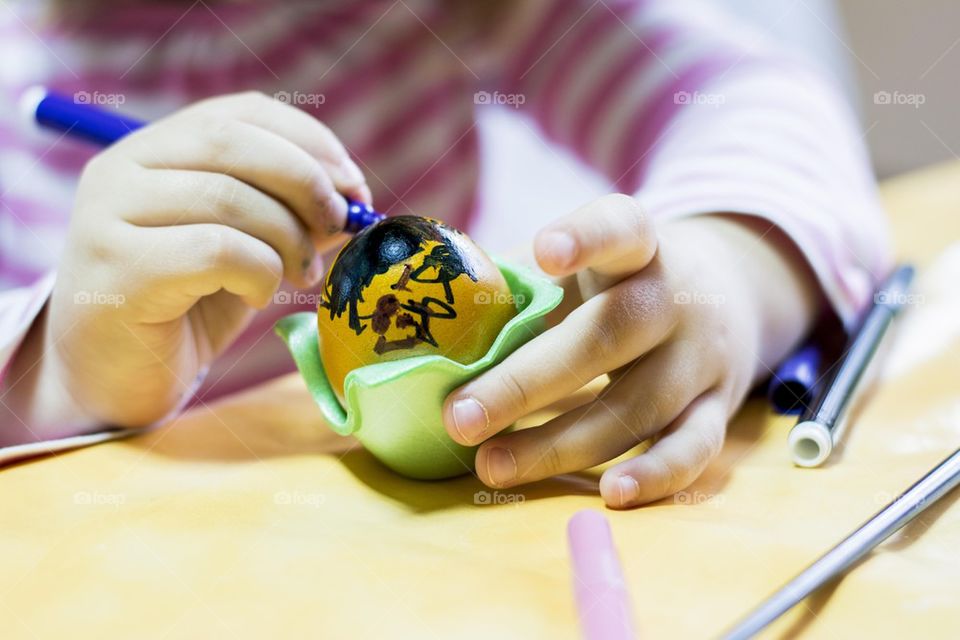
394 408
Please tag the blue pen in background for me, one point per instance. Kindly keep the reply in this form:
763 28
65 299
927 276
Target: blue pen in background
103 127
796 381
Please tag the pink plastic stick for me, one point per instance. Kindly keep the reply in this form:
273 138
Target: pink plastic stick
603 602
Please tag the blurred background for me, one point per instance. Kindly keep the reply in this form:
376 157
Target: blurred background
897 59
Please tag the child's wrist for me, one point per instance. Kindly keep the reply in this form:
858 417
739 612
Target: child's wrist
40 405
768 289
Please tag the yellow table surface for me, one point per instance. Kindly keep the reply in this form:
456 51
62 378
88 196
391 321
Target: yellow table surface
248 518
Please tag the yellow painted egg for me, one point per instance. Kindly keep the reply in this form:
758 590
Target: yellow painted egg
409 286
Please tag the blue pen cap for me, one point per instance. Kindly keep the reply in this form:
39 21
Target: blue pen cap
360 216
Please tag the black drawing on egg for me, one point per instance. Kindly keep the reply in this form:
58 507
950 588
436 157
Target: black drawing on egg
373 252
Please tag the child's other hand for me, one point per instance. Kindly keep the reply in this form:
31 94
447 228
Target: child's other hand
682 328
179 231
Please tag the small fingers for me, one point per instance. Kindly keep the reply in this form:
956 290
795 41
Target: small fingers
175 197
298 127
673 462
181 264
632 408
258 157
611 236
606 332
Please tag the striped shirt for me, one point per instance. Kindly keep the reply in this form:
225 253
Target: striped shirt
672 101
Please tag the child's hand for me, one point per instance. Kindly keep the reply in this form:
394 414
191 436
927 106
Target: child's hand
682 328
179 230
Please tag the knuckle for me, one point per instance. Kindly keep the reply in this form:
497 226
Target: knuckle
220 137
311 179
552 460
602 334
238 98
253 102
513 389
668 478
616 201
638 225
215 108
600 339
255 97
207 106
228 206
711 443
101 249
219 248
717 342
644 414
629 221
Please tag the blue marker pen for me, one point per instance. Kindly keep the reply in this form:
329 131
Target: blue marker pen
796 381
103 127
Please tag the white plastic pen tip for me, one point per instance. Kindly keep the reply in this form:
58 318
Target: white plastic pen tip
810 444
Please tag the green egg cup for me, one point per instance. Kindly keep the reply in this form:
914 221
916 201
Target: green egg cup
394 408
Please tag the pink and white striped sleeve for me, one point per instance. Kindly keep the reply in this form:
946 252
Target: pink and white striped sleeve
696 113
19 309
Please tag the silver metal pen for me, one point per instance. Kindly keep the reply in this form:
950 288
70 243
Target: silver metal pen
933 486
813 438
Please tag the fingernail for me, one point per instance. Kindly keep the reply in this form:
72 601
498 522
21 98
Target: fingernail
501 466
629 489
470 419
560 248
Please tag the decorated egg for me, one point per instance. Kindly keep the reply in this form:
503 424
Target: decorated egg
409 286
